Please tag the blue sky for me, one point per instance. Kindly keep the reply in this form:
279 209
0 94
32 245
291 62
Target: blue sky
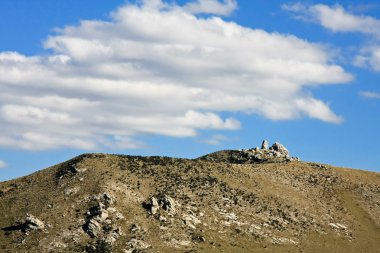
185 78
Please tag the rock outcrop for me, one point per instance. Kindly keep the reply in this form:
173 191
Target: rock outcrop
276 153
164 202
102 223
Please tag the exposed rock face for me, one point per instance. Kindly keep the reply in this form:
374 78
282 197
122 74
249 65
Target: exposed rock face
102 224
152 205
33 223
93 228
168 204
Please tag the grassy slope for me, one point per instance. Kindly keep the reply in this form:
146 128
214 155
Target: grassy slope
330 194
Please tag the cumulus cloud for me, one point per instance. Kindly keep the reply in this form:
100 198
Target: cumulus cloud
370 94
336 18
224 8
156 69
2 164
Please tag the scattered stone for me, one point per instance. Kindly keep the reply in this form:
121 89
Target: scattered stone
135 228
162 218
135 245
338 226
71 191
101 245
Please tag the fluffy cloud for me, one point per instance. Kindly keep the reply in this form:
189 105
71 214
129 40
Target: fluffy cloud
336 18
2 164
156 69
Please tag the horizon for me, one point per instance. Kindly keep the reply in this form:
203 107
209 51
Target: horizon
186 78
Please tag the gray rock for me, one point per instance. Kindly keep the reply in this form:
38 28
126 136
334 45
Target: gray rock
135 228
93 228
154 205
108 199
100 211
265 144
280 148
33 223
168 204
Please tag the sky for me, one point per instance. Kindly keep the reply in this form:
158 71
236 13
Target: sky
188 77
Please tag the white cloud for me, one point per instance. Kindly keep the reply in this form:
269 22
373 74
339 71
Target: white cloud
369 56
370 94
156 68
336 18
224 8
2 164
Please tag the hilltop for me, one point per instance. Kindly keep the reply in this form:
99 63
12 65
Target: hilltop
256 200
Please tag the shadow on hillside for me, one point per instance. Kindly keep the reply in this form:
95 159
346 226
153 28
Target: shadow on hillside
21 227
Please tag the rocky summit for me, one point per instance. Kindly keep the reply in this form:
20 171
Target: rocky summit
276 153
250 200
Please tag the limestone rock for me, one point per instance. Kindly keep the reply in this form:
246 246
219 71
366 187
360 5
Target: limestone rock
164 201
100 211
276 153
265 144
168 204
33 223
93 228
280 148
154 205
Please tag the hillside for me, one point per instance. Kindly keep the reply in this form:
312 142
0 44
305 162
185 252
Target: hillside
229 201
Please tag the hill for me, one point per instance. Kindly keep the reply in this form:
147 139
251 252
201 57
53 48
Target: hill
258 200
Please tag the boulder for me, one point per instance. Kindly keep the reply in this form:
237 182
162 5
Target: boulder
162 201
154 205
168 204
280 148
33 223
